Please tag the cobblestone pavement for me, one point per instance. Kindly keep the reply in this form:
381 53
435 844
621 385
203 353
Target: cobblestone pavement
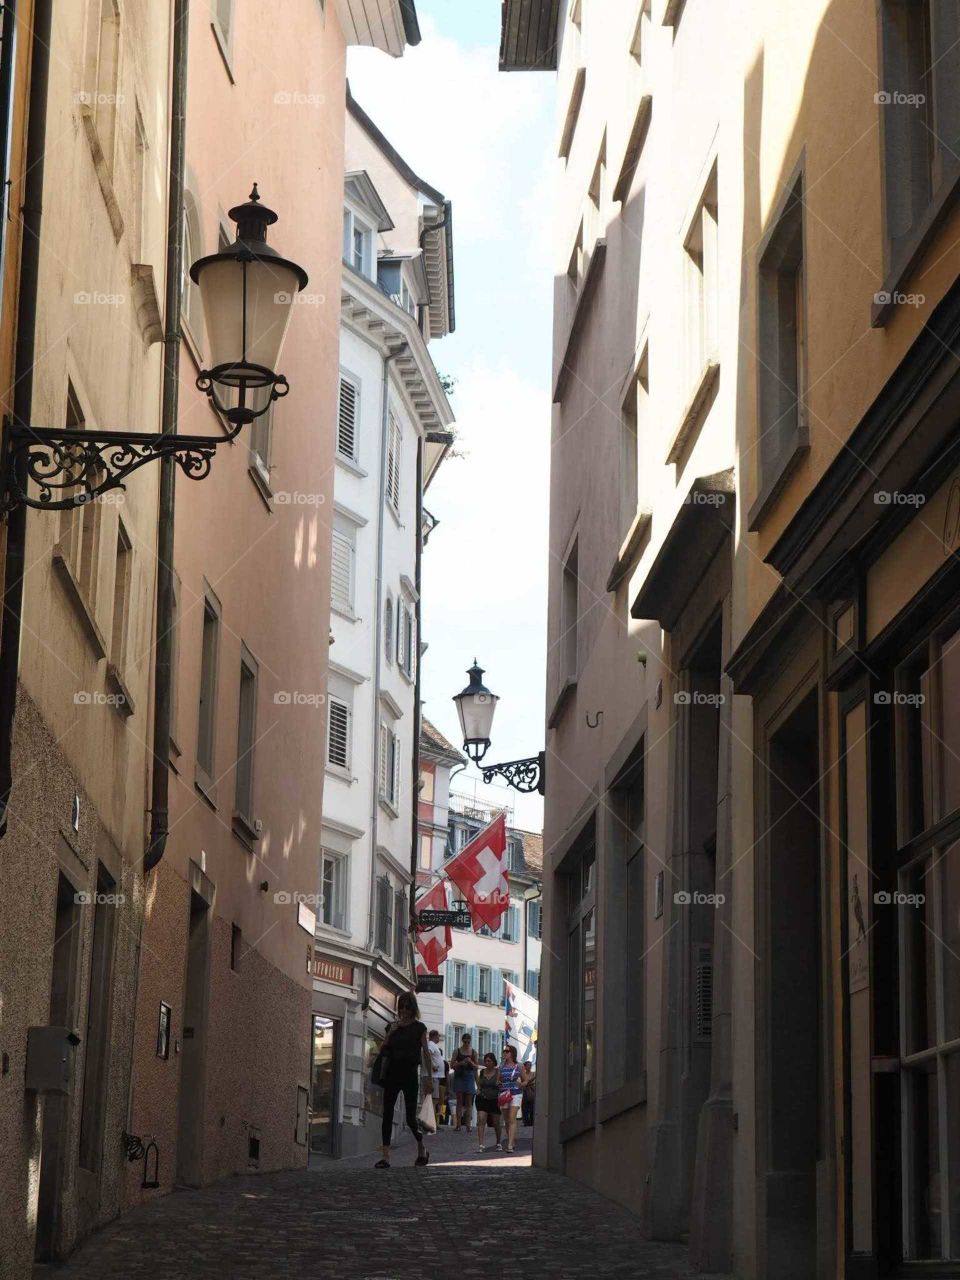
476 1217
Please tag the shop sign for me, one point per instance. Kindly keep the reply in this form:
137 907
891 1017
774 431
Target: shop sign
458 919
330 970
430 982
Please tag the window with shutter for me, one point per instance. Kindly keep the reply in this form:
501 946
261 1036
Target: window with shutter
401 638
338 733
341 573
395 795
407 661
400 931
383 759
348 419
393 465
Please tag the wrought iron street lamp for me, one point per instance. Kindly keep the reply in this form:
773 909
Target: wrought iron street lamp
247 291
475 707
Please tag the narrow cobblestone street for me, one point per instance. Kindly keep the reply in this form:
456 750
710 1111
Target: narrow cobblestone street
465 1214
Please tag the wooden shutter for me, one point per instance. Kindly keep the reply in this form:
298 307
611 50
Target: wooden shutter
388 629
383 760
347 424
393 464
704 993
395 795
338 733
341 571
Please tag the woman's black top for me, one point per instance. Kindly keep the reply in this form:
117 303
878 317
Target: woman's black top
405 1045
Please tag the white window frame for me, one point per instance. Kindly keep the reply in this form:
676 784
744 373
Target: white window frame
341 864
352 222
389 623
461 966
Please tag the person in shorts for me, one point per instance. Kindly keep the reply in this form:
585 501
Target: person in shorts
436 1066
489 1085
513 1077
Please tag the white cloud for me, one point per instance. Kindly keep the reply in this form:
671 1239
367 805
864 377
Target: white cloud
456 119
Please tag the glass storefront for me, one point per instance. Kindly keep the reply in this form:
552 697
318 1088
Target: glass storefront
324 1118
373 1095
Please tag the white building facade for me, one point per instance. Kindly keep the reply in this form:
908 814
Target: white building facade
481 962
393 432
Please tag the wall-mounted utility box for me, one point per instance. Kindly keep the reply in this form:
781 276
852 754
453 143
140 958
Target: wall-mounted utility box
50 1059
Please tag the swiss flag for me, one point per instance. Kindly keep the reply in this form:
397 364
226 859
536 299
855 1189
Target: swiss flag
480 872
433 944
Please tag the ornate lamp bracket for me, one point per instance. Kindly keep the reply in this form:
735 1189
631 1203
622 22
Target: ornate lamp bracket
523 775
71 468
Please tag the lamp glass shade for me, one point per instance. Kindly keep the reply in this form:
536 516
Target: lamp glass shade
475 707
260 314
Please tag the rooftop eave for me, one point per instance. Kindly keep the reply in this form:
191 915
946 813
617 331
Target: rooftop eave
529 35
388 25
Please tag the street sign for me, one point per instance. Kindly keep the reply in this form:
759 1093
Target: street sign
430 982
459 919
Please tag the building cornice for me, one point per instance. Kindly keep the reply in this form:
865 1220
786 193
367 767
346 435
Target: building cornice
376 318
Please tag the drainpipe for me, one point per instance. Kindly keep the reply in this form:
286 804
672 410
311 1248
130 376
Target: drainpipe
417 717
163 655
378 636
31 214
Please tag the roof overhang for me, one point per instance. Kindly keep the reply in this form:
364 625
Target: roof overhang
698 531
529 35
389 25
438 261
358 187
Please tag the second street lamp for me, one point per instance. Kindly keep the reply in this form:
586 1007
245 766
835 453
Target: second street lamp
475 707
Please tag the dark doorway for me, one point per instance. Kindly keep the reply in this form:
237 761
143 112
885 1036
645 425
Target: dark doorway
795 1139
193 1056
63 1013
698 914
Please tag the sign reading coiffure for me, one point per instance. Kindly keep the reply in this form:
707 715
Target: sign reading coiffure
330 970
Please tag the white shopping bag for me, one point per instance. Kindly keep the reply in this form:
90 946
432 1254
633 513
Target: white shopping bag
427 1117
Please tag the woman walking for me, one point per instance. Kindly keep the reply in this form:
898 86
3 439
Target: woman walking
512 1080
465 1081
488 1106
406 1048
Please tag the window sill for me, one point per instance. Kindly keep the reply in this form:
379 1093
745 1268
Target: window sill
698 406
395 513
81 606
224 46
335 771
104 177
261 482
206 786
348 464
147 302
124 704
387 806
912 250
632 1094
245 830
407 675
567 690
768 495
343 611
332 931
575 1125
629 552
175 754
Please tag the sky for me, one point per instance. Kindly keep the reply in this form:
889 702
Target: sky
485 139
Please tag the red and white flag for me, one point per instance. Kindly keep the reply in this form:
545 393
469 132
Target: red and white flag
433 944
480 873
